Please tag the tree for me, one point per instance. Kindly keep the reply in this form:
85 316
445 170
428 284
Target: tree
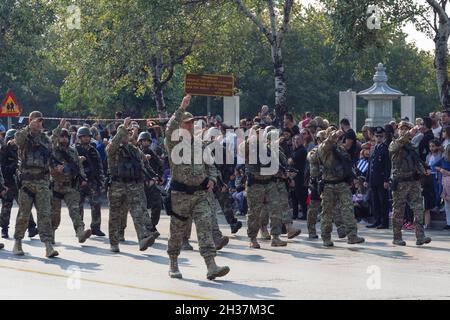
274 35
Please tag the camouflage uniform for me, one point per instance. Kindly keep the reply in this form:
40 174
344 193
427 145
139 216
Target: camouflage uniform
34 151
336 191
9 161
65 185
406 186
125 193
93 168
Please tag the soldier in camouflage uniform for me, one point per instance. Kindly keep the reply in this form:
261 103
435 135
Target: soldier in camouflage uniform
406 186
282 197
189 187
34 149
67 174
93 168
9 161
262 193
336 178
126 192
315 172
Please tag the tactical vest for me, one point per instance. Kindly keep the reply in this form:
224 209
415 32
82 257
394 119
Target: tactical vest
90 166
36 156
129 168
341 168
406 161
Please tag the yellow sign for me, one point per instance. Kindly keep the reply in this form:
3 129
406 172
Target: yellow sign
10 107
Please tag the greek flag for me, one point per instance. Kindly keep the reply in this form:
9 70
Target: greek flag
362 165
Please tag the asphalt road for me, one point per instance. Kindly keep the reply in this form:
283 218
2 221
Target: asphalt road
302 270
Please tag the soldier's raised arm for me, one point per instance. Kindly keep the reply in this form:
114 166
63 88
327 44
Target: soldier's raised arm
21 136
174 123
57 132
331 141
399 143
122 132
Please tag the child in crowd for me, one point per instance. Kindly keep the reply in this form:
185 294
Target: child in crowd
443 167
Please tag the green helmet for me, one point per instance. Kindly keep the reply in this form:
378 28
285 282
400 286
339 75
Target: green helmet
144 136
83 131
10 134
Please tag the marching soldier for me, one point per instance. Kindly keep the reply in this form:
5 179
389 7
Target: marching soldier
34 149
93 168
9 160
406 186
189 186
126 168
67 175
337 174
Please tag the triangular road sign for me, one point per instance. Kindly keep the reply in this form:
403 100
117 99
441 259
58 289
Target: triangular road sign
10 107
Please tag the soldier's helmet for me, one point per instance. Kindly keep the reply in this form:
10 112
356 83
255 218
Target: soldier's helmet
84 131
144 136
64 133
406 124
10 134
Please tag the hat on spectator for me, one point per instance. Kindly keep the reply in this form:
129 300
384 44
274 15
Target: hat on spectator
407 124
378 130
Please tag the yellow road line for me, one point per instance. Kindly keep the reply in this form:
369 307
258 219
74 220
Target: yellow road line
168 292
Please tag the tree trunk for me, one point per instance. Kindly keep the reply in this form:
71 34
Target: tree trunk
441 64
280 82
158 92
160 102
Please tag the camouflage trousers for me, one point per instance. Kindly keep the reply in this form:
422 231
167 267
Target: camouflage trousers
192 207
407 192
146 218
71 197
7 204
92 193
337 196
123 197
263 198
226 204
154 203
217 234
313 213
282 206
40 195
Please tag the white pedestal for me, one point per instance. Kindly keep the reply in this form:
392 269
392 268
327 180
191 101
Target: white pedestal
347 107
408 108
231 112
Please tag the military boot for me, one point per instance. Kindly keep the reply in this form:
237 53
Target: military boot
33 232
49 251
328 243
277 242
174 272
5 234
215 271
186 246
2 246
291 231
115 248
97 232
355 240
265 233
254 244
235 227
222 243
17 250
398 240
422 241
146 242
313 236
83 235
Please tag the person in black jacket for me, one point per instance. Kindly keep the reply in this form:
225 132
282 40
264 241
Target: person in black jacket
378 175
300 193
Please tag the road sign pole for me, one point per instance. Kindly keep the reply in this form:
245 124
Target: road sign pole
9 123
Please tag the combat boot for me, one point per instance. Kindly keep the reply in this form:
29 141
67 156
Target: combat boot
17 250
49 251
214 271
254 244
313 236
186 246
328 243
291 231
1 246
83 235
222 243
235 227
265 233
156 234
33 232
146 242
174 272
97 232
398 240
5 234
422 241
277 242
115 248
355 240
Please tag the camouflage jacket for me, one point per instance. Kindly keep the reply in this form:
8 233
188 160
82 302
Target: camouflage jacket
332 166
191 174
25 141
73 168
405 164
314 163
9 161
